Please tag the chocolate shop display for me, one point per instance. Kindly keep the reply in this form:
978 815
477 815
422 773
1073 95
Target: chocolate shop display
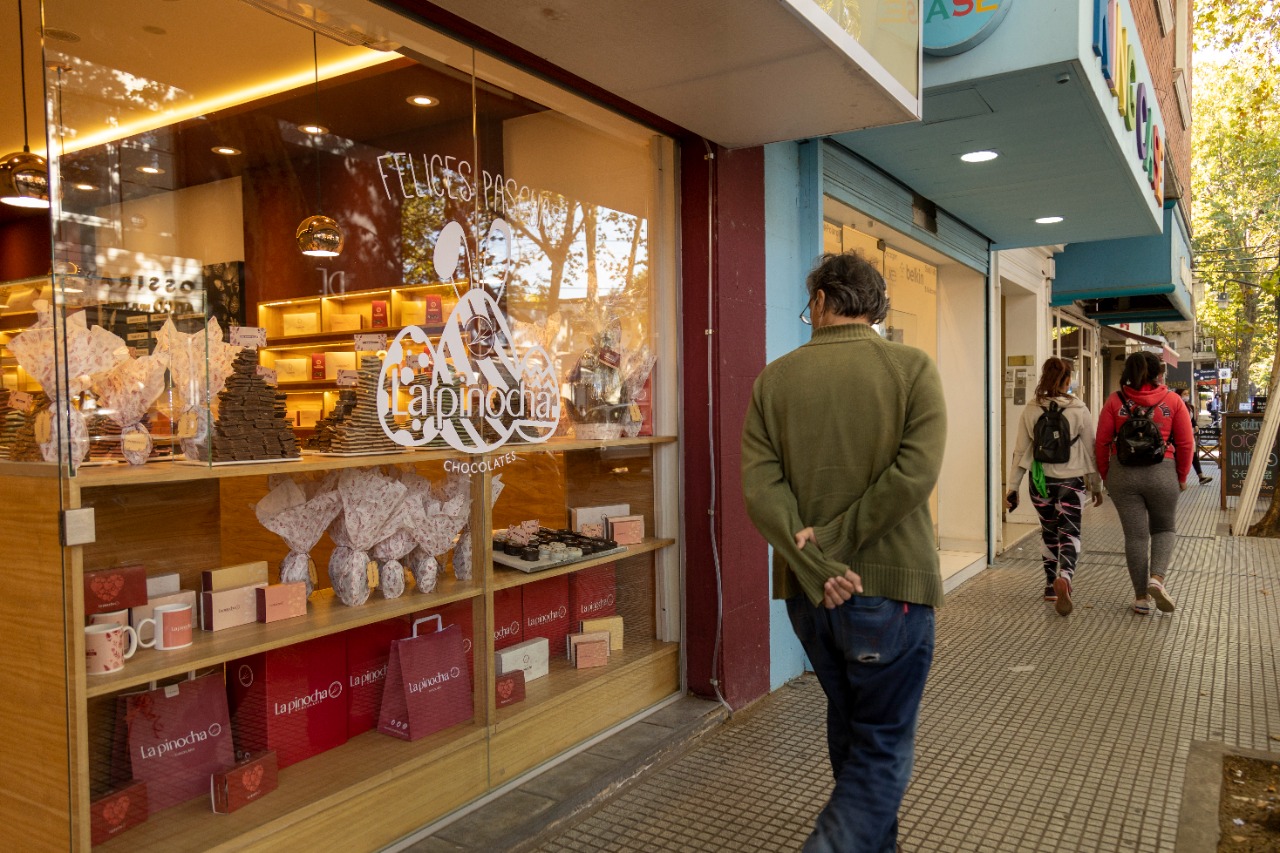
199 364
23 446
11 420
252 423
85 352
360 430
606 384
327 427
530 547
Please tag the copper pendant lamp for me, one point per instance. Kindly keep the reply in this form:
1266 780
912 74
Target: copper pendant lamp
318 236
24 177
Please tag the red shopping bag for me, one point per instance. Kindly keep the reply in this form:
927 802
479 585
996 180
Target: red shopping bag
178 736
427 687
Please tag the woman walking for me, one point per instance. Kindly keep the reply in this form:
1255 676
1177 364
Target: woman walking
1144 449
1055 442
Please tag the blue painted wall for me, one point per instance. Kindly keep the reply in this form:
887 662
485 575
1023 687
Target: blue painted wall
786 263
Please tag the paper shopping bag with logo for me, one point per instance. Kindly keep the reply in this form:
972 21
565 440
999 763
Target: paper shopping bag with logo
178 736
292 700
427 687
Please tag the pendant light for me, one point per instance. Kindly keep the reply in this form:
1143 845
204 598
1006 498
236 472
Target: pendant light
24 177
318 235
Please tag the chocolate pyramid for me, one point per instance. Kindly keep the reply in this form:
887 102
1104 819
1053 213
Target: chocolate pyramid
252 421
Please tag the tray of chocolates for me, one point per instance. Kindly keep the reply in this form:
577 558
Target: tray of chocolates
534 549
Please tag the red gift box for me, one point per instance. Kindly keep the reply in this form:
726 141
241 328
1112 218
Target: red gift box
508 617
546 610
379 314
458 613
292 700
113 813
317 365
593 593
120 588
240 785
435 309
368 648
509 688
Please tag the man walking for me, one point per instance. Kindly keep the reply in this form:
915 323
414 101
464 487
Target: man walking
840 452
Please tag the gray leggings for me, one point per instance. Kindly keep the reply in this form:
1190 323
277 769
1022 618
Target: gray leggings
1146 500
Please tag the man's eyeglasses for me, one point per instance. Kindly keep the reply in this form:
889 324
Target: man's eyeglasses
804 315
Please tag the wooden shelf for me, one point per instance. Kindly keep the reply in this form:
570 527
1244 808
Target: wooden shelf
325 615
564 681
319 339
171 472
504 577
17 320
321 789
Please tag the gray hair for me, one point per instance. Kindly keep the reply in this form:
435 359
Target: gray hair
853 287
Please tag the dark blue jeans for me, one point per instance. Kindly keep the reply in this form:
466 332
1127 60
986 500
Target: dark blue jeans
872 657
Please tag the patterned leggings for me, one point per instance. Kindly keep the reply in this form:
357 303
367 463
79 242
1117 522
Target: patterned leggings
1060 525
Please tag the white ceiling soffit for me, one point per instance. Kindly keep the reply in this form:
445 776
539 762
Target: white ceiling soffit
737 72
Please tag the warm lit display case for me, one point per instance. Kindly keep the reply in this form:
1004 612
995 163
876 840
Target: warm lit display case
282 580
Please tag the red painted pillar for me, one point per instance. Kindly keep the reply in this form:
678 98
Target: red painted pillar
733 251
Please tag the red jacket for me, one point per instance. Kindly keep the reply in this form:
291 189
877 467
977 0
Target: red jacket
1170 415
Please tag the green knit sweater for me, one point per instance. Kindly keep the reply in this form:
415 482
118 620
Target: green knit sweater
845 435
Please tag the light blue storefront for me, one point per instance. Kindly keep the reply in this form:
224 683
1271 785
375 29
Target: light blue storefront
1029 82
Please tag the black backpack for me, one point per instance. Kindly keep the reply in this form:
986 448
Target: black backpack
1051 439
1138 440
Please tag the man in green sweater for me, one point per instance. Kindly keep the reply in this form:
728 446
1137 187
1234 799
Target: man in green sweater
840 453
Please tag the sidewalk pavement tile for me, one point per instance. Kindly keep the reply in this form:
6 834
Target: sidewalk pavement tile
1037 732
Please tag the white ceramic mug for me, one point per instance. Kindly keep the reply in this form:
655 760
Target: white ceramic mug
105 648
115 617
172 623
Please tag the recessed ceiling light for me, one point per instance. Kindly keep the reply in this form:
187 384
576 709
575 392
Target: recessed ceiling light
151 170
225 149
85 187
422 100
314 129
1048 220
979 156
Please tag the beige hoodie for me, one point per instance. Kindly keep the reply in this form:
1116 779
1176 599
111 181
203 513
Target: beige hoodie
1081 463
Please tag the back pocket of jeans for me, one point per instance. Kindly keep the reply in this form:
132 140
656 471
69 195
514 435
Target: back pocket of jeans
871 629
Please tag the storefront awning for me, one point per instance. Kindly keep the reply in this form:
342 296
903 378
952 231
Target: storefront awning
737 72
1168 354
1033 93
1139 280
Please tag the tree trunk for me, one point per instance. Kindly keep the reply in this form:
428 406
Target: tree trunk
1244 350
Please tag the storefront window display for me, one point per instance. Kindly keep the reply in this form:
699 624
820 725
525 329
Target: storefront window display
358 347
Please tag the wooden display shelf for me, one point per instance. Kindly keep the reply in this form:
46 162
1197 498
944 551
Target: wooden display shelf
504 577
313 385
16 320
334 789
323 339
169 472
325 615
568 705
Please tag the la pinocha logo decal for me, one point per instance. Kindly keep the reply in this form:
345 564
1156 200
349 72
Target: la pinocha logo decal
474 390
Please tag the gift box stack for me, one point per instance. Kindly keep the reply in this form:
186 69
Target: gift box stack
252 421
